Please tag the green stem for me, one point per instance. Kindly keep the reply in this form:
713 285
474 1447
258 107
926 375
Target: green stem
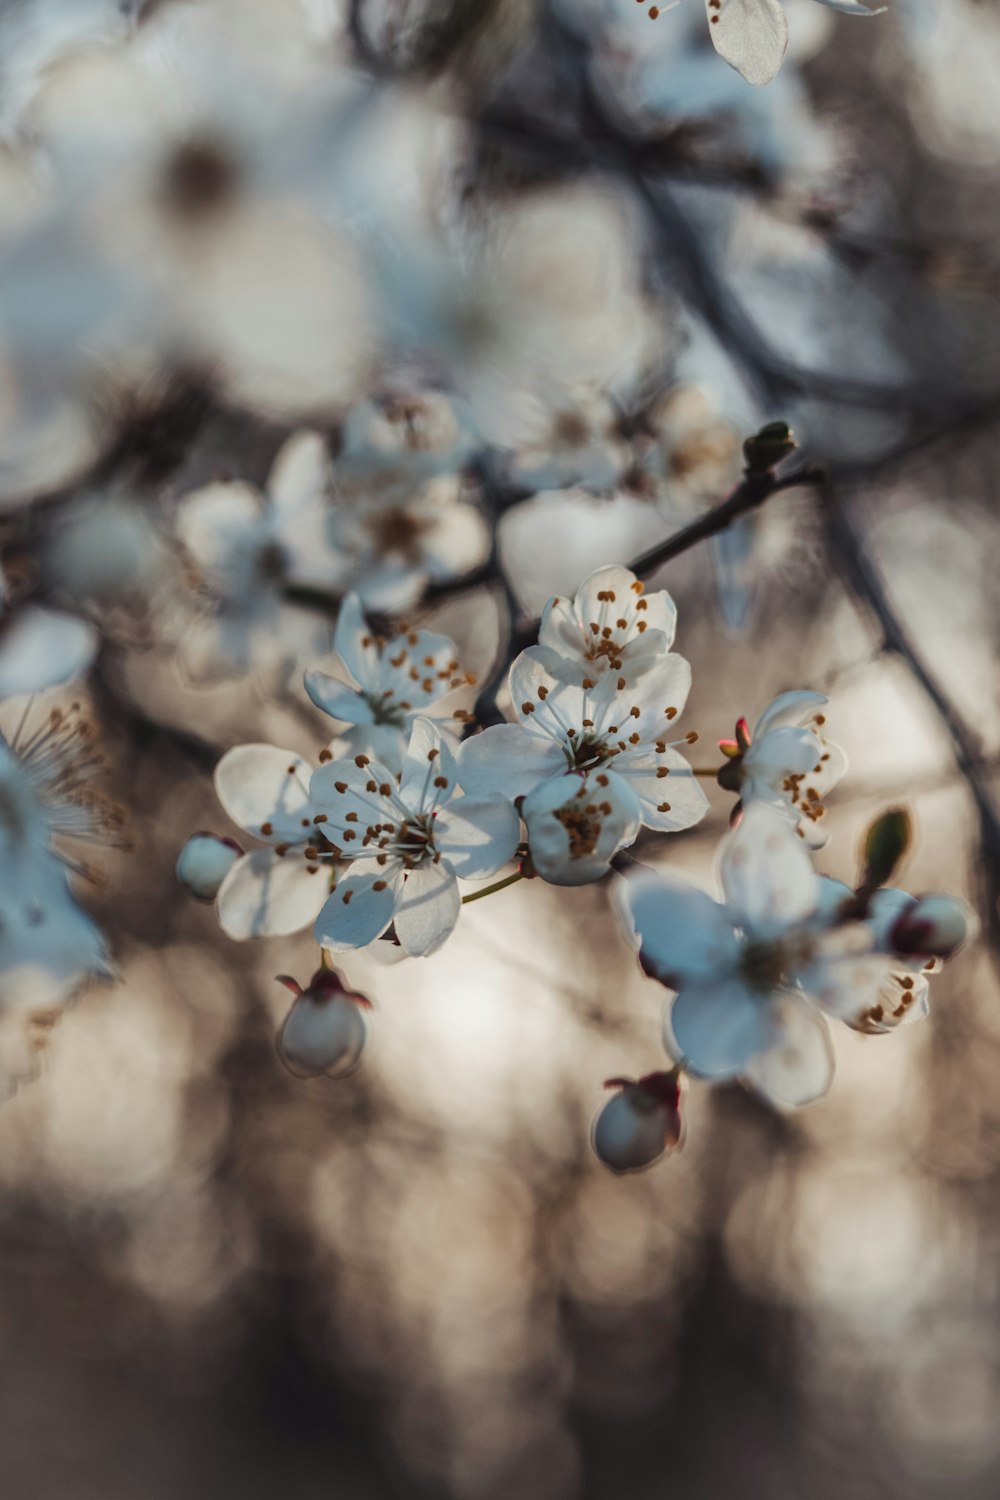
712 771
498 886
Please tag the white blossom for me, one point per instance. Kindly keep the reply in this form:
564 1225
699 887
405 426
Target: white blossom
753 975
244 547
610 621
613 724
576 825
408 843
48 944
786 762
391 683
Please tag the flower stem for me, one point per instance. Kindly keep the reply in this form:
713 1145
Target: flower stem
497 886
712 771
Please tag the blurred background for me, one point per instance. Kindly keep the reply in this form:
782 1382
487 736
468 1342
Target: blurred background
221 224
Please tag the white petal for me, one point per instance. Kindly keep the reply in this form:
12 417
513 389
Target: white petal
428 909
720 1027
262 784
798 1068
204 863
42 647
210 521
669 803
476 838
789 708
854 7
456 544
684 935
48 944
265 895
779 752
508 761
576 825
354 642
356 913
430 771
333 697
300 473
751 35
767 874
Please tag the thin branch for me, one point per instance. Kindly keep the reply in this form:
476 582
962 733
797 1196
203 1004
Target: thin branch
865 583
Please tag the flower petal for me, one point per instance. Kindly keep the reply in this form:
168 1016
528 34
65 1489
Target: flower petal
335 698
265 895
507 760
300 473
668 803
357 913
798 1069
684 936
428 909
430 771
262 786
788 708
720 1026
476 838
752 36
767 874
42 647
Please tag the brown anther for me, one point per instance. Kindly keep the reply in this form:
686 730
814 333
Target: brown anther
379 885
267 828
361 761
527 708
663 807
340 786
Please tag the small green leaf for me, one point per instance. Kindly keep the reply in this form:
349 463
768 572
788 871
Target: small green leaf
886 841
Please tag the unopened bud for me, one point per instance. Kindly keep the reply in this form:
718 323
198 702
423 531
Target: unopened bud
765 450
204 863
325 1031
933 927
639 1123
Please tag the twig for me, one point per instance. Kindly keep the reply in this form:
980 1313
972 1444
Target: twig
862 578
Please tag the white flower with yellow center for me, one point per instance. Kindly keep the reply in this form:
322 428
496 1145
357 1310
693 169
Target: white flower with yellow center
408 843
613 726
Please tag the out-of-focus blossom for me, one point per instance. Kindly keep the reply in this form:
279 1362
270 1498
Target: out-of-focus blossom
245 547
639 1123
578 443
41 647
277 889
407 843
48 944
752 975
393 545
610 622
204 863
612 724
325 1032
577 824
392 682
196 159
521 309
786 762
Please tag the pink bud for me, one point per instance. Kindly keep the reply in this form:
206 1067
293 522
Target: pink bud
640 1123
932 927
